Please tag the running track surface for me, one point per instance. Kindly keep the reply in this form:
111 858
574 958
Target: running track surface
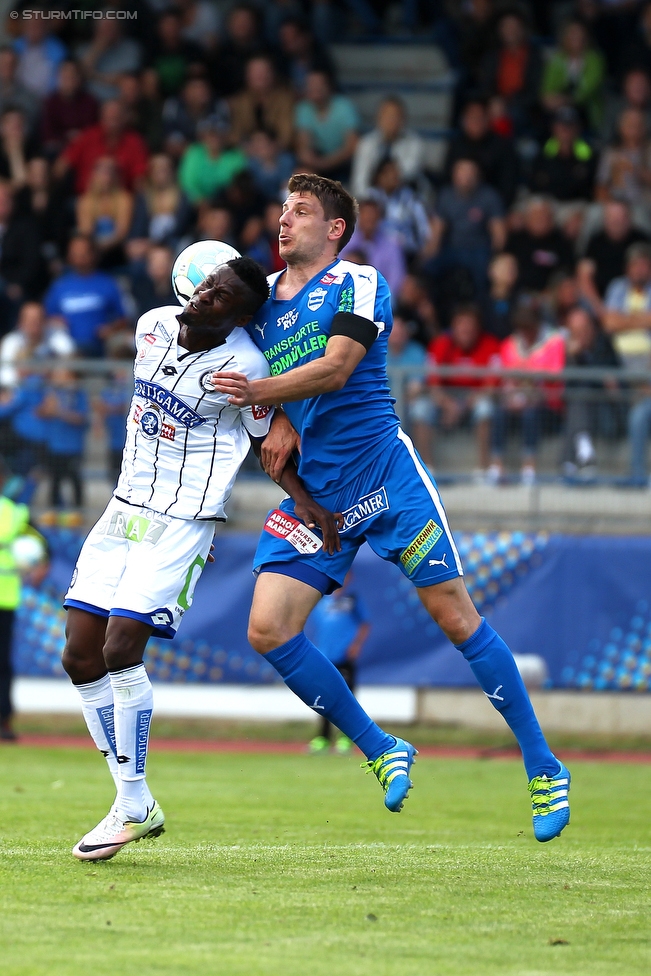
289 748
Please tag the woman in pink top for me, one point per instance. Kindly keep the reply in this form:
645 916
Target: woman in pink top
537 347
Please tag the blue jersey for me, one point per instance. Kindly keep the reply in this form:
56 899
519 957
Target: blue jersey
336 621
344 431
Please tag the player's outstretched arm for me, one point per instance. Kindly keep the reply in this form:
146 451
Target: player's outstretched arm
279 445
324 375
306 509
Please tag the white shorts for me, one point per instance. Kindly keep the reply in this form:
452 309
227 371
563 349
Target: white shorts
140 564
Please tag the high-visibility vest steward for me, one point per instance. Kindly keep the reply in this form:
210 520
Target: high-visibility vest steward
14 520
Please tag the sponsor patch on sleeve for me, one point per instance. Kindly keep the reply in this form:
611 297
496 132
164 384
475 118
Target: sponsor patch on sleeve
259 413
418 548
287 527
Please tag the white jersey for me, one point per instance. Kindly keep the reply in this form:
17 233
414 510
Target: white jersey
185 442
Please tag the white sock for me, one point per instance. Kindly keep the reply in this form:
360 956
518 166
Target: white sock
97 708
134 702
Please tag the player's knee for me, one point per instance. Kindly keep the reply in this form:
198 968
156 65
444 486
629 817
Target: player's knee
77 663
264 636
124 647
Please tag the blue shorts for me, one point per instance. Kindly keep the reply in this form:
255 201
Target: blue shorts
394 505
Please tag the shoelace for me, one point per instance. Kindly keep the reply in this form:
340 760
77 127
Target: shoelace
381 767
542 794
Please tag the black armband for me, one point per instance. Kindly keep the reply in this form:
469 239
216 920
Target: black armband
354 327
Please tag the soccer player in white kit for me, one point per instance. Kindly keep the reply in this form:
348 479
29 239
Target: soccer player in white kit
138 568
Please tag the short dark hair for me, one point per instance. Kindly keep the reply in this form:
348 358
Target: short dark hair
253 276
335 200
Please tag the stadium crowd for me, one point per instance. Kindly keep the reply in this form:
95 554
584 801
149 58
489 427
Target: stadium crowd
123 140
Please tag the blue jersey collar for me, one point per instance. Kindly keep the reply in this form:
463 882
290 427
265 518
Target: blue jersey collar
309 284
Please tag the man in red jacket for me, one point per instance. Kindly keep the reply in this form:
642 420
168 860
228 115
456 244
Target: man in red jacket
110 137
457 397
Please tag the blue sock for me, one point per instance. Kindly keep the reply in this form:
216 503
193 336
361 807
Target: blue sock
496 671
316 681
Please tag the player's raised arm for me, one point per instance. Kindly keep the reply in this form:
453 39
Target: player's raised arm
305 508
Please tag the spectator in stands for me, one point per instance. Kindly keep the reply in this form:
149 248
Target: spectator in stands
404 352
326 128
259 238
624 171
162 213
585 345
173 55
140 99
468 224
33 338
418 308
405 217
537 347
13 94
52 213
502 295
104 213
21 264
262 102
458 398
242 198
540 248
110 137
108 55
639 47
200 22
208 166
636 93
113 407
151 285
269 166
301 53
574 75
627 309
513 70
86 301
215 224
242 41
24 445
39 55
64 410
389 139
493 154
378 247
16 148
67 111
605 253
182 115
565 166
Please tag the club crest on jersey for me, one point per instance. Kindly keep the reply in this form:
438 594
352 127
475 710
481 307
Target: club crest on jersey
151 423
166 431
176 408
316 298
288 320
205 381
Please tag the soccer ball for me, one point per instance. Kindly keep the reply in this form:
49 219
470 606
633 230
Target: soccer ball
28 551
195 263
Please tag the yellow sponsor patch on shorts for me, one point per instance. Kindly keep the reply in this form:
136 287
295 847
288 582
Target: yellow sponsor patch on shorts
418 548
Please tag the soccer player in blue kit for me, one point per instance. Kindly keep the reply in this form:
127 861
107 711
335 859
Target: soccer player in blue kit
324 334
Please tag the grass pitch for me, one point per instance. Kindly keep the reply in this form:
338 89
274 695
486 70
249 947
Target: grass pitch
288 865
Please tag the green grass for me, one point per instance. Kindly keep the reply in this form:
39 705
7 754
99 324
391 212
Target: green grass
288 865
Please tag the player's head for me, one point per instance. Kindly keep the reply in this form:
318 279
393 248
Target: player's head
318 219
227 298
